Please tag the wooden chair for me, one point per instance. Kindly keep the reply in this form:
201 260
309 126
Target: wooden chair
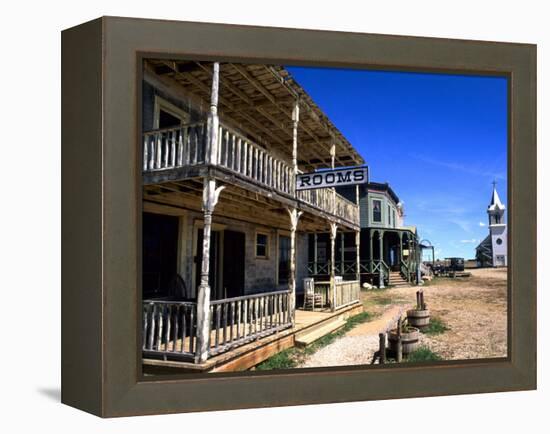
311 299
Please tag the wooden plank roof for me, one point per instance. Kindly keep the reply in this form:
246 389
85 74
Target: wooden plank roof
258 99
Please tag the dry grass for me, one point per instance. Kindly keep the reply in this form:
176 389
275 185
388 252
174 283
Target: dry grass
474 309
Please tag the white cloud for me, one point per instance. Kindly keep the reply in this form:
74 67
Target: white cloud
481 224
472 241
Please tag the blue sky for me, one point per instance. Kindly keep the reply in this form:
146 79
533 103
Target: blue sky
438 139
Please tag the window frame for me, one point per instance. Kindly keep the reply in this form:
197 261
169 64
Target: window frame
381 219
267 243
170 108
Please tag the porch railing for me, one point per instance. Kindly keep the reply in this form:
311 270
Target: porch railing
186 146
347 292
169 329
340 267
237 321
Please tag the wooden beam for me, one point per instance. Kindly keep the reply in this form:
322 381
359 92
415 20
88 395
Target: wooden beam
261 88
228 104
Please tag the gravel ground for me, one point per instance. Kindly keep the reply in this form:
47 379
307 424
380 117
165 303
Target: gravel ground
474 310
348 350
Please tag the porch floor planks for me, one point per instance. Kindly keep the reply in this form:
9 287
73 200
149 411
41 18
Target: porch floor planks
304 319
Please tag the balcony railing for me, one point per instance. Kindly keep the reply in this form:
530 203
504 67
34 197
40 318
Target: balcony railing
186 146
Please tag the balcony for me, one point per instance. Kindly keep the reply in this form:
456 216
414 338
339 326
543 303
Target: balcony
172 153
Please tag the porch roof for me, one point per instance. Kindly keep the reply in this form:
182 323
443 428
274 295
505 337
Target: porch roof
258 100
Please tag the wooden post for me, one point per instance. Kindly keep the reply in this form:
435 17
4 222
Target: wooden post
212 129
400 247
332 158
399 346
210 197
315 254
295 120
358 256
381 271
371 250
342 256
418 262
382 348
358 239
333 229
294 217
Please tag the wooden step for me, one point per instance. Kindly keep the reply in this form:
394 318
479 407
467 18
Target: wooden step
309 336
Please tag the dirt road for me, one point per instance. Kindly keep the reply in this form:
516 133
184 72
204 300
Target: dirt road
472 309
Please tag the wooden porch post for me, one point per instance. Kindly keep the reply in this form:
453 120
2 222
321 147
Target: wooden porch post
332 159
400 247
357 256
294 217
381 271
210 197
371 250
315 254
418 262
333 229
212 127
295 121
342 256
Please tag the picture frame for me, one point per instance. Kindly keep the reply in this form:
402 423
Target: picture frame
101 205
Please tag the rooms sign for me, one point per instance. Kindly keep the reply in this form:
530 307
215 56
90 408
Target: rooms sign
333 178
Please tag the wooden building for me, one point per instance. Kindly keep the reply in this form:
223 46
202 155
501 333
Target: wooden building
389 250
225 233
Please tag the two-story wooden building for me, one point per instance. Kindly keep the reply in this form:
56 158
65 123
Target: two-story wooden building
225 233
389 250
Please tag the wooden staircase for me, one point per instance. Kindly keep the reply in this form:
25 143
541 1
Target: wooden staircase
395 279
311 334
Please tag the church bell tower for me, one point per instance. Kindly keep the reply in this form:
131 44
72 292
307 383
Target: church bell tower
498 230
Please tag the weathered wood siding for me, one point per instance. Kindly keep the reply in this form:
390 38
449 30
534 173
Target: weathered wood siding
260 274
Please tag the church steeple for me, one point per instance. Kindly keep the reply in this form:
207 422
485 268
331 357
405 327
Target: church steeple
496 208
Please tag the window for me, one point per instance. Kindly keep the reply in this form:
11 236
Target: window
284 259
389 216
499 241
393 215
167 115
261 245
377 211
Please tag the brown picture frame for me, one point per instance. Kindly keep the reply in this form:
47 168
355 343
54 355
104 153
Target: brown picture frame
101 206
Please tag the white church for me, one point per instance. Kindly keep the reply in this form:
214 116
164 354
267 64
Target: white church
493 250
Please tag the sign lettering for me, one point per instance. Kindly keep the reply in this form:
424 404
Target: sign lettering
332 178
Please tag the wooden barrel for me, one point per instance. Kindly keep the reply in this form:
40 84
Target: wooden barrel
409 340
418 318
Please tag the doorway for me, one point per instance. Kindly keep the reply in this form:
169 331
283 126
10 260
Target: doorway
160 254
227 263
233 263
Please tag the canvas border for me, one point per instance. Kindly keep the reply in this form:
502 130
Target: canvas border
101 371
